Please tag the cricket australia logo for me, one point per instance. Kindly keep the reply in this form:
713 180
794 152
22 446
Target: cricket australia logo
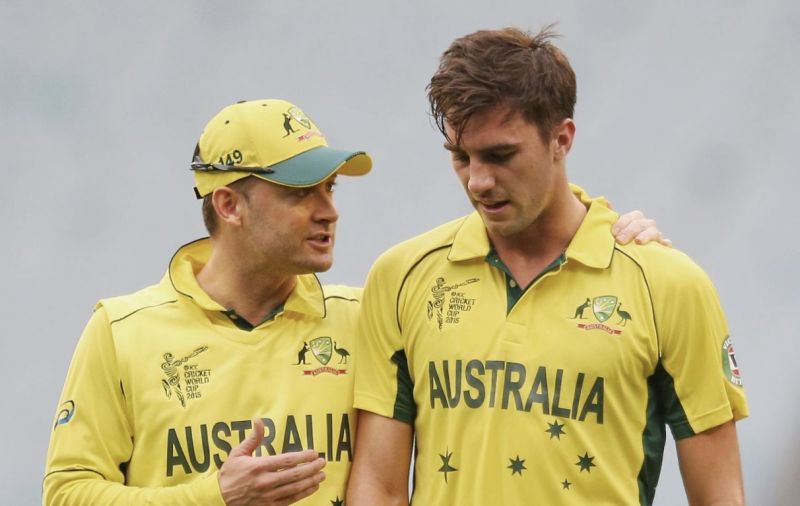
447 302
295 116
604 308
729 364
193 376
322 350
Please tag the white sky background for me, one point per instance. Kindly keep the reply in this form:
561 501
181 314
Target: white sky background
689 112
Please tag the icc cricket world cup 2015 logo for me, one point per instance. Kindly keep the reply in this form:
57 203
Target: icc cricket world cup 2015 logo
458 301
171 368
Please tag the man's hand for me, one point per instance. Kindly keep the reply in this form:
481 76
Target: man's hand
637 227
276 480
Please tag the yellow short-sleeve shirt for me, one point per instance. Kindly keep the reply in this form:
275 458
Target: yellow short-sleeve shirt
558 393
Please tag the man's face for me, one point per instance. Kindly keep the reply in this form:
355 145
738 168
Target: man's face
509 174
290 230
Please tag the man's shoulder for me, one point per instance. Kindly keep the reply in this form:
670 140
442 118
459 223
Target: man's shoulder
410 251
122 306
342 292
664 267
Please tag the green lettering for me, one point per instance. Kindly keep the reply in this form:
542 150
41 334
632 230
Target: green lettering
345 444
469 400
453 394
268 439
309 432
221 443
329 431
539 391
175 455
241 426
199 466
436 386
594 401
494 366
576 399
512 386
558 410
291 437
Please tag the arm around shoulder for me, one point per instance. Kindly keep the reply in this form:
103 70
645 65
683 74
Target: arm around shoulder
381 463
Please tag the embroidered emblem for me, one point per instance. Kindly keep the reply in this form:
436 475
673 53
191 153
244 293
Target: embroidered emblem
729 364
445 295
605 308
193 376
322 349
65 413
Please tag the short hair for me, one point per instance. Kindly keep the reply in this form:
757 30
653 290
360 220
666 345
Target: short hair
510 67
210 214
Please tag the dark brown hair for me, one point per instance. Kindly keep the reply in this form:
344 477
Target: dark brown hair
510 67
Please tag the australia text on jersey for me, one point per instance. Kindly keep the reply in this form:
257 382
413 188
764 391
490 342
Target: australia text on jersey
193 449
491 383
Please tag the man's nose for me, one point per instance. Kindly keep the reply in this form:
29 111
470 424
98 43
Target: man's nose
481 178
326 209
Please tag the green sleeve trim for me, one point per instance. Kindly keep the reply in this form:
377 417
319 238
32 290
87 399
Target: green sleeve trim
674 414
404 408
653 439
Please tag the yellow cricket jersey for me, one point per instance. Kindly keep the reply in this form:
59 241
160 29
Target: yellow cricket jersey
164 382
555 394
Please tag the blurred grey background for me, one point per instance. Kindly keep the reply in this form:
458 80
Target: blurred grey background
687 110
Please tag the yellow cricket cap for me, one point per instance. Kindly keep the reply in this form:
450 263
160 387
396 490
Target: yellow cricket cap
270 139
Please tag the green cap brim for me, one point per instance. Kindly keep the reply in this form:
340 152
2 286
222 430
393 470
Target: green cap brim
316 165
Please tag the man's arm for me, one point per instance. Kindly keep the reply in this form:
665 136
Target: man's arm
711 468
381 463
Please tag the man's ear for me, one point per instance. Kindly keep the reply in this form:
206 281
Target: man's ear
563 135
227 205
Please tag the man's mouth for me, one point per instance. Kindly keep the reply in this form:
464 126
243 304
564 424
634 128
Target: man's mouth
492 206
322 240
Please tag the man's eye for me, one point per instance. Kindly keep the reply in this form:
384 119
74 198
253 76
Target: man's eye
331 186
499 157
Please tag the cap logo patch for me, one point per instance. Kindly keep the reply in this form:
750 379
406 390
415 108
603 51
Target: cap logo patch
309 135
300 117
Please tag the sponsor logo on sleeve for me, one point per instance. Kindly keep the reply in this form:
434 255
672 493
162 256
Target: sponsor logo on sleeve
65 413
729 365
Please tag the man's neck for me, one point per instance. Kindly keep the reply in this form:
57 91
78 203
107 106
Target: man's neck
252 292
529 252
